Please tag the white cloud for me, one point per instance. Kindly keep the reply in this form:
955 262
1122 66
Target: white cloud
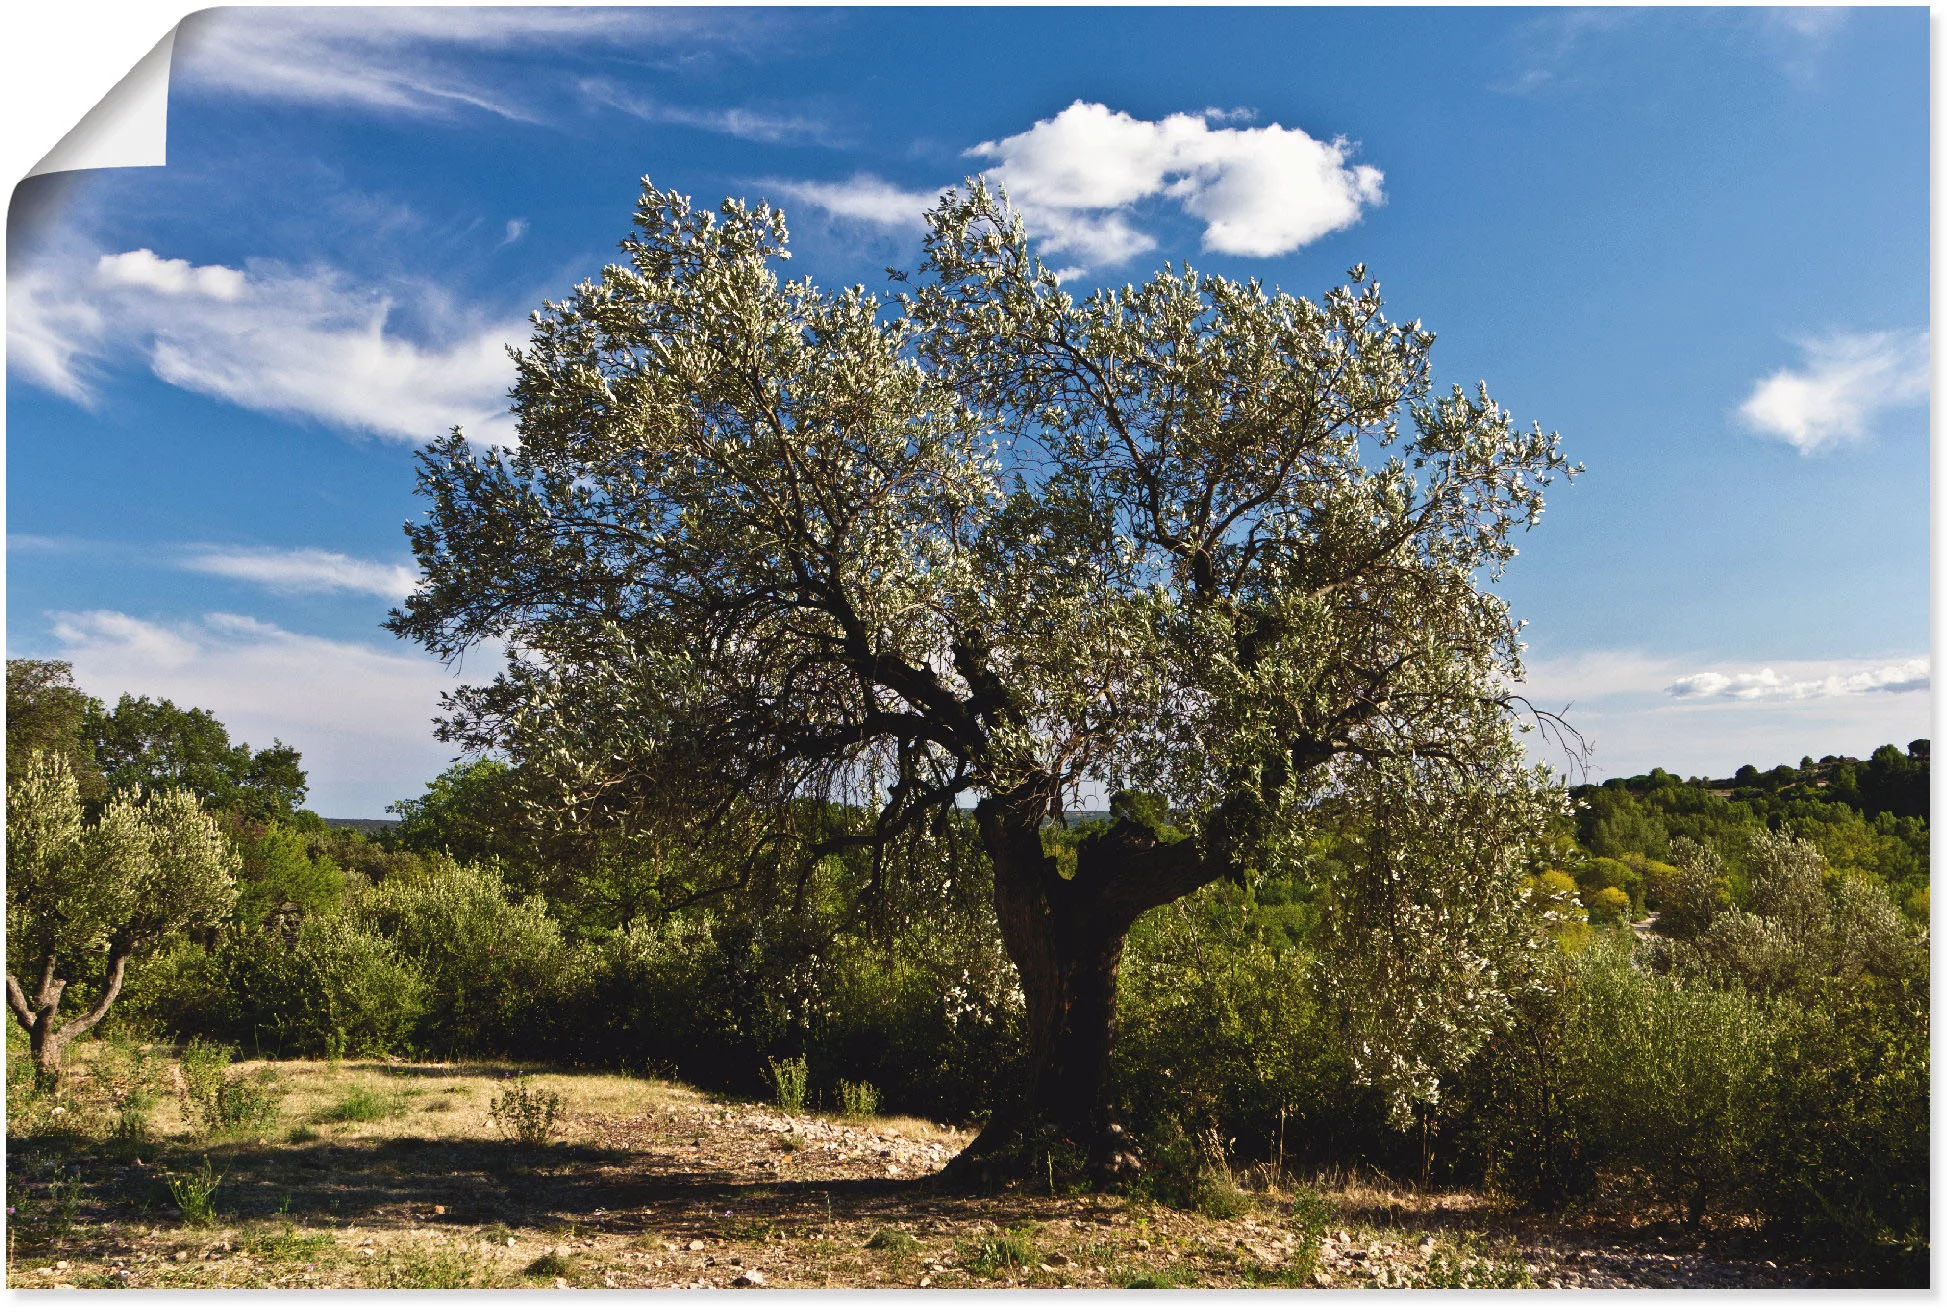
304 344
1640 710
306 569
1848 380
1768 684
145 269
863 196
1260 191
360 715
738 121
516 229
401 60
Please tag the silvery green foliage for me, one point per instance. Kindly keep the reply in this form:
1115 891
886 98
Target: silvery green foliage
1427 927
1131 539
145 869
1196 537
1800 926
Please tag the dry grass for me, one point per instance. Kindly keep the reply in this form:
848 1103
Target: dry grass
652 1184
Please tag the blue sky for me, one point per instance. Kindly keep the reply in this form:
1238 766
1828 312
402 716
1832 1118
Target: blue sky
1692 241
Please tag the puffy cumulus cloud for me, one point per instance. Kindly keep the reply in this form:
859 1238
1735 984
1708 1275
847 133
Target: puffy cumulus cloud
304 569
424 61
312 345
1768 684
1260 191
361 715
145 269
863 197
1847 381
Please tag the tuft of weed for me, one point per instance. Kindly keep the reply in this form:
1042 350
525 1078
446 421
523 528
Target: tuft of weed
497 1234
194 1194
302 1134
790 1081
1462 1265
790 1143
893 1243
287 1243
526 1114
1007 1251
432 1268
363 1103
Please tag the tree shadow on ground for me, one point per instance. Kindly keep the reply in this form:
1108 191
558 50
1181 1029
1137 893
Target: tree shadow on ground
408 1182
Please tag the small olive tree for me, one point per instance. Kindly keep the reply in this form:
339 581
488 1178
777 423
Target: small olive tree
84 898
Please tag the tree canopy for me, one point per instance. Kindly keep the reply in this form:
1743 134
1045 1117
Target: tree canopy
151 744
83 899
1193 539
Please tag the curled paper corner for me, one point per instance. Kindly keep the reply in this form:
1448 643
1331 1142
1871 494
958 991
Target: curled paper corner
127 128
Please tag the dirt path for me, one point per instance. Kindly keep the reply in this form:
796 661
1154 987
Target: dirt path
654 1185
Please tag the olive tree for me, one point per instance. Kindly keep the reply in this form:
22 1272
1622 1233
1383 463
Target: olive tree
84 899
1215 547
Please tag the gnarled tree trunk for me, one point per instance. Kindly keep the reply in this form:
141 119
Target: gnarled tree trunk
46 1040
1065 936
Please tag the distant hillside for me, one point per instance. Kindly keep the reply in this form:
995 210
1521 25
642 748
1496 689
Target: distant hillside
370 828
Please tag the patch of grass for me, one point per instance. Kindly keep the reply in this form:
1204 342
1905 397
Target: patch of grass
893 1243
995 1254
194 1194
363 1103
858 1098
526 1114
432 1268
302 1134
287 1244
790 1081
1167 1277
498 1233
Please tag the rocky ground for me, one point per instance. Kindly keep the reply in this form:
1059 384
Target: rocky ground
647 1184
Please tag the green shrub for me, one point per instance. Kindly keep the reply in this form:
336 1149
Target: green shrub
858 1098
526 1114
498 973
218 1101
790 1079
995 1254
326 985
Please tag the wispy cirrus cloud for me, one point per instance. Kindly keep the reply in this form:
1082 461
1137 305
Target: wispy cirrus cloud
744 122
304 569
863 197
361 714
310 344
1079 177
427 61
1846 382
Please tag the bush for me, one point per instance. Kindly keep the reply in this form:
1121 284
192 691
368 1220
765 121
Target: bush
858 1098
217 1101
1610 1071
328 986
526 1114
498 974
790 1079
